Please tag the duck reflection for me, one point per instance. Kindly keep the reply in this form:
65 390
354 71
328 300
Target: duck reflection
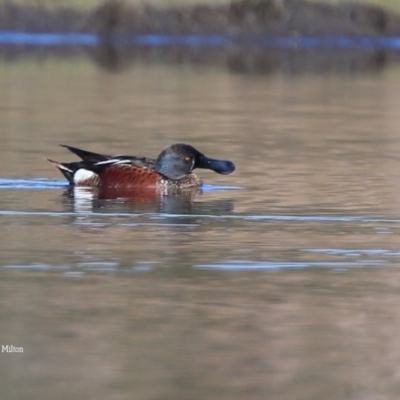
143 200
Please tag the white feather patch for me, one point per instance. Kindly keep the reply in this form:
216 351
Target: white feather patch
64 167
83 175
106 162
114 161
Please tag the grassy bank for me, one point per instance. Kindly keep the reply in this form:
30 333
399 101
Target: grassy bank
240 18
393 5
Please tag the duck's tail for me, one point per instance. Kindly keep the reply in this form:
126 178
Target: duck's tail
87 156
67 169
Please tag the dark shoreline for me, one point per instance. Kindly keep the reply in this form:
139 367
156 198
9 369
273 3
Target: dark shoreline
286 18
291 19
236 60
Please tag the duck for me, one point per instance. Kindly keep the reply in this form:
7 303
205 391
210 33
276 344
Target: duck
173 168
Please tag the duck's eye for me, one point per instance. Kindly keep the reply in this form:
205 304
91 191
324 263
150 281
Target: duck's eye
187 159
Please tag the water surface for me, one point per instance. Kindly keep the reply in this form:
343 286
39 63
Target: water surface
278 281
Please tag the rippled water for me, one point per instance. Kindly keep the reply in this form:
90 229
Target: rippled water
278 281
206 40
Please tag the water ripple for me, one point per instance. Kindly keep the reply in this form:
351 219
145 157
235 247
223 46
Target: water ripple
39 183
47 39
204 40
167 216
355 252
211 188
236 265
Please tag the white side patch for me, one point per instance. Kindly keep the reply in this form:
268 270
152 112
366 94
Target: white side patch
83 175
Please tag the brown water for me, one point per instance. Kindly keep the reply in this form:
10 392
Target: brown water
280 281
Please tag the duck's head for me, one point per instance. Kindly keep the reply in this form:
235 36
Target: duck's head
178 160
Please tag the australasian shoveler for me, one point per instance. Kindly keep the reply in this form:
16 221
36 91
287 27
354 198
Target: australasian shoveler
172 169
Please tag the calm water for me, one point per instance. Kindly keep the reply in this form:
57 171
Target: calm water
280 281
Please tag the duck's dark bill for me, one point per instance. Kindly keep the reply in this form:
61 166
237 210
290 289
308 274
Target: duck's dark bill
220 166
